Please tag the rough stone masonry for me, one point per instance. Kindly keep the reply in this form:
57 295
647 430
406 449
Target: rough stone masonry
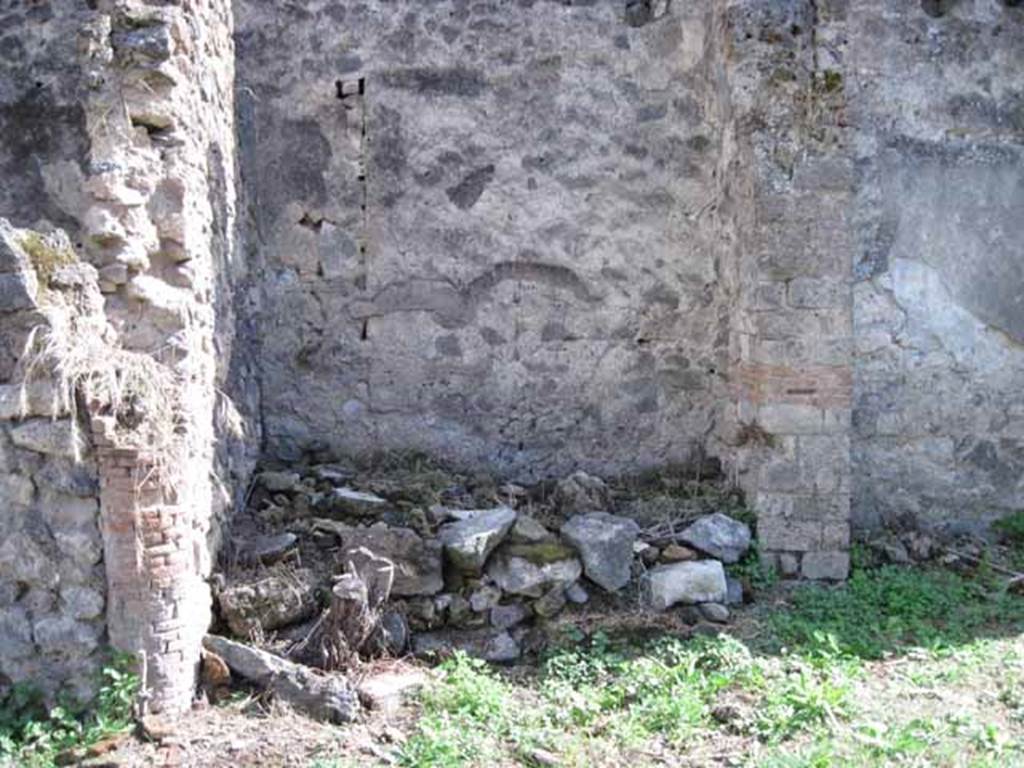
538 236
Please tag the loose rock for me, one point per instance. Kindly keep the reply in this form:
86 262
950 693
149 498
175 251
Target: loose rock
489 645
580 493
279 482
530 569
551 603
700 581
715 612
469 542
734 591
605 543
484 599
677 553
719 536
392 634
508 616
527 530
575 593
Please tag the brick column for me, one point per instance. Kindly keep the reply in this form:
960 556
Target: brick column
158 603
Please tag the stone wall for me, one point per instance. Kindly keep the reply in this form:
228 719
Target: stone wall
486 231
938 101
52 586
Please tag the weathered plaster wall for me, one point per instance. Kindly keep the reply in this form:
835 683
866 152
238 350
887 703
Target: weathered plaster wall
938 101
486 229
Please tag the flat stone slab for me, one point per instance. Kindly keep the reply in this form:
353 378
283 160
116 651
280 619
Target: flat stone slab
358 503
268 549
387 692
324 697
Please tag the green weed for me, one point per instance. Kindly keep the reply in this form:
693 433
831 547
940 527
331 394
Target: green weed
892 608
1011 528
800 693
32 736
755 573
465 717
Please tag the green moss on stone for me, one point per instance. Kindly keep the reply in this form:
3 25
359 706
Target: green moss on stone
832 80
542 553
46 259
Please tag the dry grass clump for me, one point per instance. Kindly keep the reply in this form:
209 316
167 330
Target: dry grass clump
77 350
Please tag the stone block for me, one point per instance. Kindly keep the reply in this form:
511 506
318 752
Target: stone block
15 491
63 635
62 512
83 545
17 291
66 476
35 398
791 419
770 296
820 507
779 533
15 635
825 566
53 438
835 535
783 476
818 293
82 603
21 559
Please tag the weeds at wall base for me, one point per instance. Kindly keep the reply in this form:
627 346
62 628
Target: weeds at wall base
34 736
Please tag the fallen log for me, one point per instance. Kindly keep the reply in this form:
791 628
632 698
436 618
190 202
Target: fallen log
324 697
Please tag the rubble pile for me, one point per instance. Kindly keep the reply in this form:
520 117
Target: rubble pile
425 562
